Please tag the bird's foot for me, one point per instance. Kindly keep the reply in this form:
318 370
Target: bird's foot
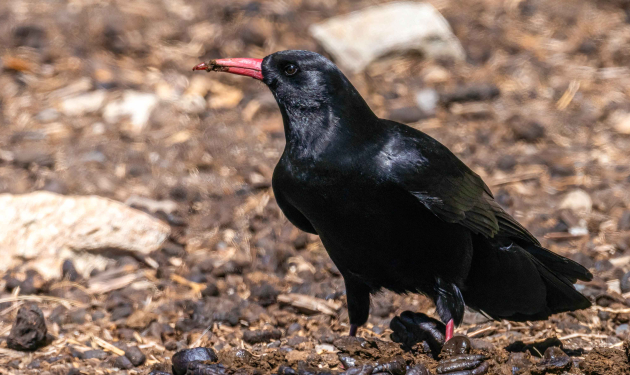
456 358
412 328
353 330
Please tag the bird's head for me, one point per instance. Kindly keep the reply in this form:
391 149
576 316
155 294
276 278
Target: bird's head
301 81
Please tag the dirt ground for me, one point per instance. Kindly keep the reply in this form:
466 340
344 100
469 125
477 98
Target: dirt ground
235 274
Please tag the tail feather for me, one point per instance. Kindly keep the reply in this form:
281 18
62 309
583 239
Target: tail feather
511 282
573 271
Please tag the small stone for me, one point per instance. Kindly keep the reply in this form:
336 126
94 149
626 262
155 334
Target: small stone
578 201
519 363
265 294
98 315
427 100
528 131
77 316
96 353
181 360
123 363
47 115
83 104
471 93
135 355
554 361
624 221
622 331
506 163
293 328
29 330
406 114
256 337
121 312
198 368
25 158
621 122
211 290
624 284
136 106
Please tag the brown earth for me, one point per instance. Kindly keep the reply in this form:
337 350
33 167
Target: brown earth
233 263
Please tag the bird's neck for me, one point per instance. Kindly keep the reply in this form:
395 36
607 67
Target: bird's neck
310 132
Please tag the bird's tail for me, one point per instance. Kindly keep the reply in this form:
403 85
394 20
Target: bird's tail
514 282
573 271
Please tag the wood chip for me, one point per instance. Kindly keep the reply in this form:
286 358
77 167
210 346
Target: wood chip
107 346
310 305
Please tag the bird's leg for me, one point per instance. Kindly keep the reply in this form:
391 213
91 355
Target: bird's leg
353 330
450 330
358 297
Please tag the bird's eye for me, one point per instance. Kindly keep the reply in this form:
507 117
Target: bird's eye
290 69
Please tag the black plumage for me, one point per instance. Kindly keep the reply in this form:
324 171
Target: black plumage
396 209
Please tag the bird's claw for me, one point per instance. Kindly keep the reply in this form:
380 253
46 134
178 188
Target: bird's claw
411 328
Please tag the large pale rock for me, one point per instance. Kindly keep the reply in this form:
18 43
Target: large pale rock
44 228
360 37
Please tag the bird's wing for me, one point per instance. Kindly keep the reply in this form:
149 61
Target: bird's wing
447 187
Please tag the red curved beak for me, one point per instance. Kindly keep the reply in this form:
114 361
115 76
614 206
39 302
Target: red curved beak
241 66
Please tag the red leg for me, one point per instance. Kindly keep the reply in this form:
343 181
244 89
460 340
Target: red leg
353 330
450 329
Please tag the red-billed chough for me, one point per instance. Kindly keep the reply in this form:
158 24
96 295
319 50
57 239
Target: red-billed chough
395 208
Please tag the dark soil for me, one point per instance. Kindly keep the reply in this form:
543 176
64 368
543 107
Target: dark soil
535 110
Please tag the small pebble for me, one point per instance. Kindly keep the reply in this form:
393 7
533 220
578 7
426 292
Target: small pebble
256 337
96 353
29 330
123 363
182 359
136 356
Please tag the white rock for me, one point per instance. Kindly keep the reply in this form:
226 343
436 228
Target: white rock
83 104
47 115
621 122
427 100
578 201
360 37
136 106
43 228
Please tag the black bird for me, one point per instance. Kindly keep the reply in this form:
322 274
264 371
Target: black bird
396 209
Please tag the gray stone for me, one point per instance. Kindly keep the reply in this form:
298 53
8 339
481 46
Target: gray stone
357 39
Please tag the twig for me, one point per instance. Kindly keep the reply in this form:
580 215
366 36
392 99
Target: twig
310 304
196 343
107 346
197 287
66 302
485 329
589 335
614 311
516 178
